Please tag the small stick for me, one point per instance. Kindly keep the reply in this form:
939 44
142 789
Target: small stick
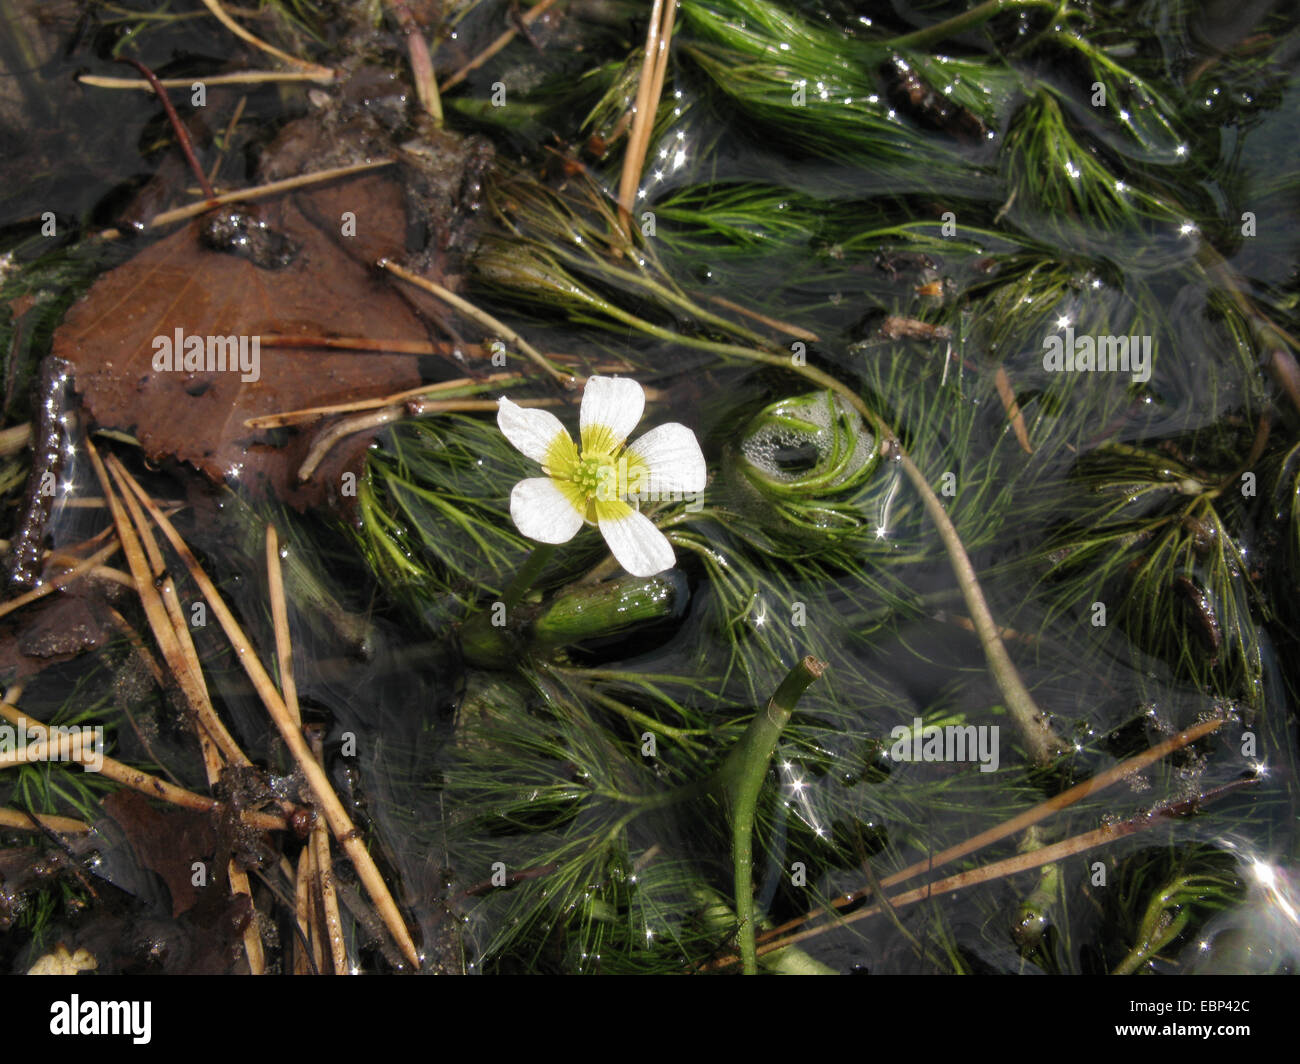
243 77
1040 812
339 821
303 963
567 380
417 49
379 347
227 136
113 576
130 777
212 735
414 408
1021 862
966 623
188 677
62 580
22 820
247 195
178 127
1008 396
772 323
315 413
742 776
323 74
280 622
532 15
320 842
634 160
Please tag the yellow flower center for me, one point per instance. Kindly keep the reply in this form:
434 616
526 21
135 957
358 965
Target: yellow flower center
596 481
596 475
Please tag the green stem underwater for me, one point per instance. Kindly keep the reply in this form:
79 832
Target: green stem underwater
741 776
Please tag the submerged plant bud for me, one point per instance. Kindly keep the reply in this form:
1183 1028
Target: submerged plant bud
810 446
595 612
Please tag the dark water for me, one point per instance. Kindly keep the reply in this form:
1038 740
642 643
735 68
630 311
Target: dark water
382 670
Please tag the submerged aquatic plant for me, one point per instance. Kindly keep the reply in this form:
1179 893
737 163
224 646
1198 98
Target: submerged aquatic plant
839 208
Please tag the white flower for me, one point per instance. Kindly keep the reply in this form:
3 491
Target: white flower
594 485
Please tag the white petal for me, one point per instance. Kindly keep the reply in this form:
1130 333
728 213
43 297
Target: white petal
640 548
611 404
676 463
542 512
531 430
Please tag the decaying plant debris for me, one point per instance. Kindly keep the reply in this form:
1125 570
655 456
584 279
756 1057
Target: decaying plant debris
395 735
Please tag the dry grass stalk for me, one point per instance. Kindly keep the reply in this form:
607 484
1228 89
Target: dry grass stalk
327 801
646 107
324 75
280 622
247 195
1008 396
315 413
243 77
210 729
302 914
189 676
1028 818
772 323
134 778
417 50
530 16
22 821
62 580
329 898
482 317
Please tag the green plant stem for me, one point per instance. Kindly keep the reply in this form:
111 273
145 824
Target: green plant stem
528 574
741 776
1043 743
961 23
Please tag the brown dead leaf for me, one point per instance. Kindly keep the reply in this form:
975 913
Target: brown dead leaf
198 417
167 842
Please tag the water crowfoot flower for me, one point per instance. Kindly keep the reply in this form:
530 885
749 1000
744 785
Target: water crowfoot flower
599 483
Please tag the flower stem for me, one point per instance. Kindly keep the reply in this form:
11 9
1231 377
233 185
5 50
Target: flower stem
528 574
741 776
923 38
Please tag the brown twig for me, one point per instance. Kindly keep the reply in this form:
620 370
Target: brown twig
775 324
214 740
323 74
129 777
188 678
566 380
178 127
247 195
327 801
280 622
647 104
529 17
22 820
1008 396
325 442
417 49
1040 812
